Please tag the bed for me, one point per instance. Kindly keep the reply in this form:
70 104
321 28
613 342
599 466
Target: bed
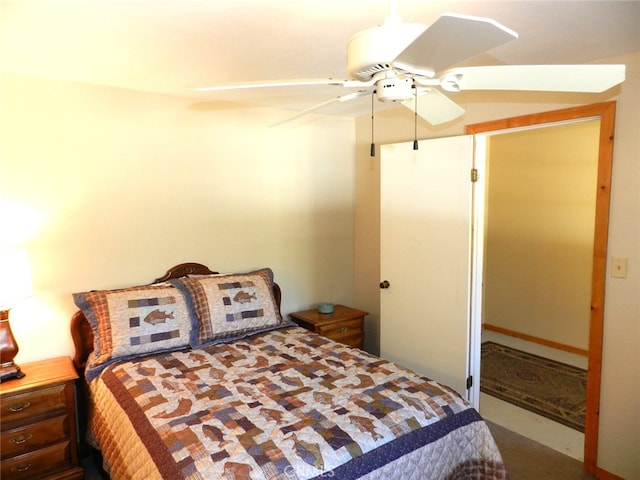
199 376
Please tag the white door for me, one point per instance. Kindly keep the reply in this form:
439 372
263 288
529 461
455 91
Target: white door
426 258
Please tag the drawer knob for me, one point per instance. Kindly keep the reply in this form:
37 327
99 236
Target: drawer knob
385 284
22 468
344 329
18 407
19 440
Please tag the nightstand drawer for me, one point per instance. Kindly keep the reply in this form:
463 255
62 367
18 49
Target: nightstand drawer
37 464
356 341
31 437
337 331
34 403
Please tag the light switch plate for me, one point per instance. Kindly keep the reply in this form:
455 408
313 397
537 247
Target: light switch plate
619 267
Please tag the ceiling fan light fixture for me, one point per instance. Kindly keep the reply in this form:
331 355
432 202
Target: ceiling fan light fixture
394 89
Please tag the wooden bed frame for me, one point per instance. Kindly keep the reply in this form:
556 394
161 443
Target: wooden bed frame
82 334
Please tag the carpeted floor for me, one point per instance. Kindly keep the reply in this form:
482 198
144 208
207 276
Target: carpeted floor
546 387
529 460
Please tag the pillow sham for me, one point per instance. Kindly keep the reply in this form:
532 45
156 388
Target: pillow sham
134 321
231 306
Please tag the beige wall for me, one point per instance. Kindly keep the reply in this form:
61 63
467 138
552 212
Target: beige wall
129 184
539 231
619 414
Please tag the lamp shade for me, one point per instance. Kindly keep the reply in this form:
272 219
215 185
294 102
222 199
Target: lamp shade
15 276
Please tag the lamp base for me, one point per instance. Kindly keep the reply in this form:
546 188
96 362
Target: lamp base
10 371
8 349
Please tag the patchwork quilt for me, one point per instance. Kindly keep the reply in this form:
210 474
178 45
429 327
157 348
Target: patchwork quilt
286 404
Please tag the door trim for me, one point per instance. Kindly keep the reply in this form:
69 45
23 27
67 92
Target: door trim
606 113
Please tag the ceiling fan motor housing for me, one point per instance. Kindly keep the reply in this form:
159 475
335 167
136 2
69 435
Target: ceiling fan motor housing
373 50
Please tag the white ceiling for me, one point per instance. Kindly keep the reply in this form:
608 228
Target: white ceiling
171 46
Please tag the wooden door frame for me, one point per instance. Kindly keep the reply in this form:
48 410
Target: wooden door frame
606 113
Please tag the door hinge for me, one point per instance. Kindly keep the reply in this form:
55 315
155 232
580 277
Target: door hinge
474 174
469 382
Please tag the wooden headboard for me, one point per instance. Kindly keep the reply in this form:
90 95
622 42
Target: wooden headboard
82 334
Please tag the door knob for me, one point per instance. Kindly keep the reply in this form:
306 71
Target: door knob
385 284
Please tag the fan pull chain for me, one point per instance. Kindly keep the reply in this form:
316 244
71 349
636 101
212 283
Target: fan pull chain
415 121
373 145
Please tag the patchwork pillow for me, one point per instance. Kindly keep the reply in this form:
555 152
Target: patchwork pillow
232 306
135 321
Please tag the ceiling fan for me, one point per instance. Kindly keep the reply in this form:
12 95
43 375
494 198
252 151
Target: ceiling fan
410 63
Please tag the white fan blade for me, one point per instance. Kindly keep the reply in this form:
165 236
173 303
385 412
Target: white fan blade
450 40
285 83
435 107
340 99
546 78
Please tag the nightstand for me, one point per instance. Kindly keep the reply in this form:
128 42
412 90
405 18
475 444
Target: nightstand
344 325
39 437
